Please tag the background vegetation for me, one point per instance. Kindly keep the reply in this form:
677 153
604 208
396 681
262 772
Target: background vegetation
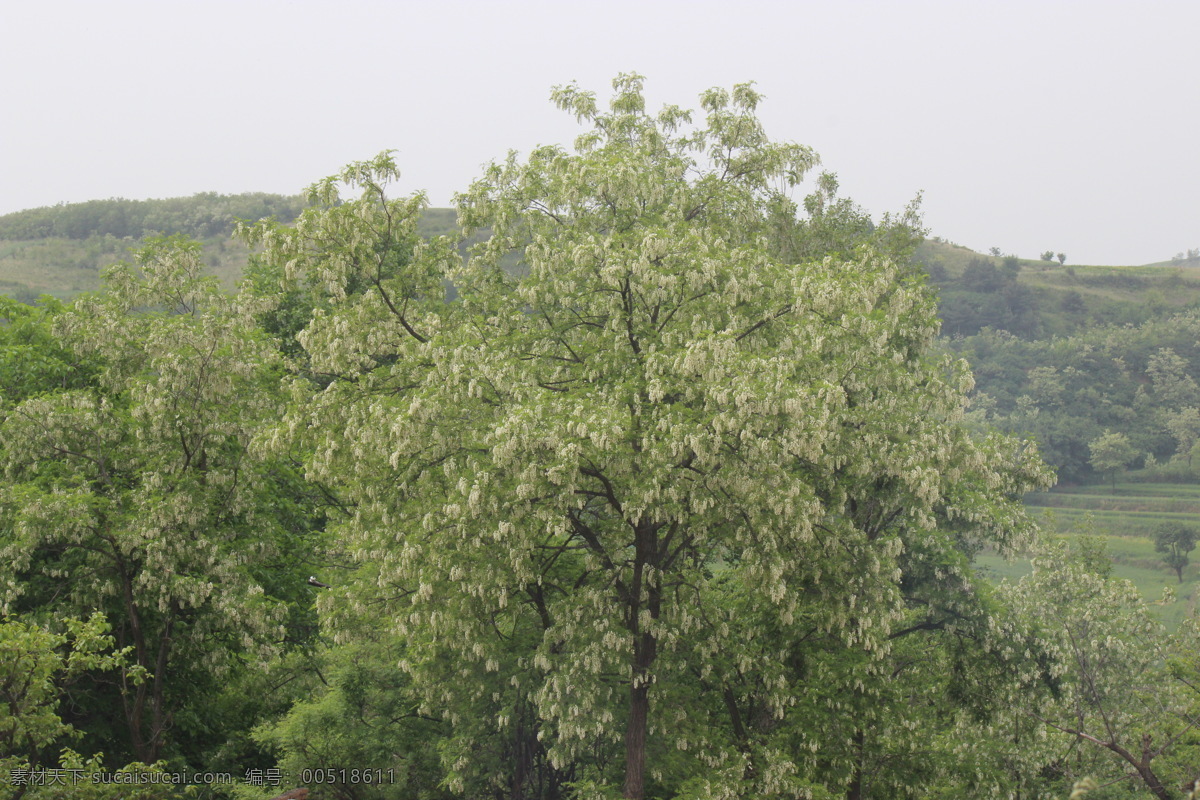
649 483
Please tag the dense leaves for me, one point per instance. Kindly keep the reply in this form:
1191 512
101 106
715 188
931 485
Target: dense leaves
653 484
581 491
135 478
1066 393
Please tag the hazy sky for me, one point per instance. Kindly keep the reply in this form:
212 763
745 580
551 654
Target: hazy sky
1071 126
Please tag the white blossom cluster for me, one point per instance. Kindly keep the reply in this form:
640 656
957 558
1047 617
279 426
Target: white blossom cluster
586 486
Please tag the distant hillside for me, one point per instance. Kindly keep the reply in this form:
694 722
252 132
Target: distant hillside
1060 352
1065 354
200 216
60 250
1035 299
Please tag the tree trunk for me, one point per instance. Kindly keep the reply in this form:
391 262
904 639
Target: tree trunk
635 741
855 790
1152 781
645 650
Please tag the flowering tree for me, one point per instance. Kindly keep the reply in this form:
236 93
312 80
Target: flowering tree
606 493
1123 705
136 481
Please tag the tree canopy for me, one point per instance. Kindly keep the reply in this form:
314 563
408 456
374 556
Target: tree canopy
134 476
586 484
652 482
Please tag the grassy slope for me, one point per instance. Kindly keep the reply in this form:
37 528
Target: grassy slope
1124 520
67 267
1165 286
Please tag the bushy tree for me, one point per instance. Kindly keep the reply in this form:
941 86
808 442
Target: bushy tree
1184 427
983 275
838 227
136 478
582 489
357 723
1175 541
32 360
989 296
1171 376
1111 453
1114 702
36 667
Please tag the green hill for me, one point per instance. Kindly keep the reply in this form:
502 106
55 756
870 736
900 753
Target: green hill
61 250
1037 299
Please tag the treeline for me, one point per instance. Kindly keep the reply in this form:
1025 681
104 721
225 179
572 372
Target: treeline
1065 357
201 216
1066 392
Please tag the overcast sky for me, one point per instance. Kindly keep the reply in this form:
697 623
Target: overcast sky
1072 126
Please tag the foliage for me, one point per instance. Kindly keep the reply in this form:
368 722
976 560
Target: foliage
582 490
1174 387
653 482
31 360
136 478
30 665
988 295
836 227
1067 392
35 666
1175 541
362 713
1114 708
1184 426
1111 452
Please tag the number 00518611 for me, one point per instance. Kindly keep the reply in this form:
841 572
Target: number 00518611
327 776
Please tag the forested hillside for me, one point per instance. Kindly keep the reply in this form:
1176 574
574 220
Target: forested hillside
1060 353
1041 299
648 483
1064 354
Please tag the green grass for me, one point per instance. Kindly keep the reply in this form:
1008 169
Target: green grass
1132 502
1134 510
1127 489
1124 520
1119 523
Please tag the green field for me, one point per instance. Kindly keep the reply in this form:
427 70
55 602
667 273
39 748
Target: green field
1125 521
